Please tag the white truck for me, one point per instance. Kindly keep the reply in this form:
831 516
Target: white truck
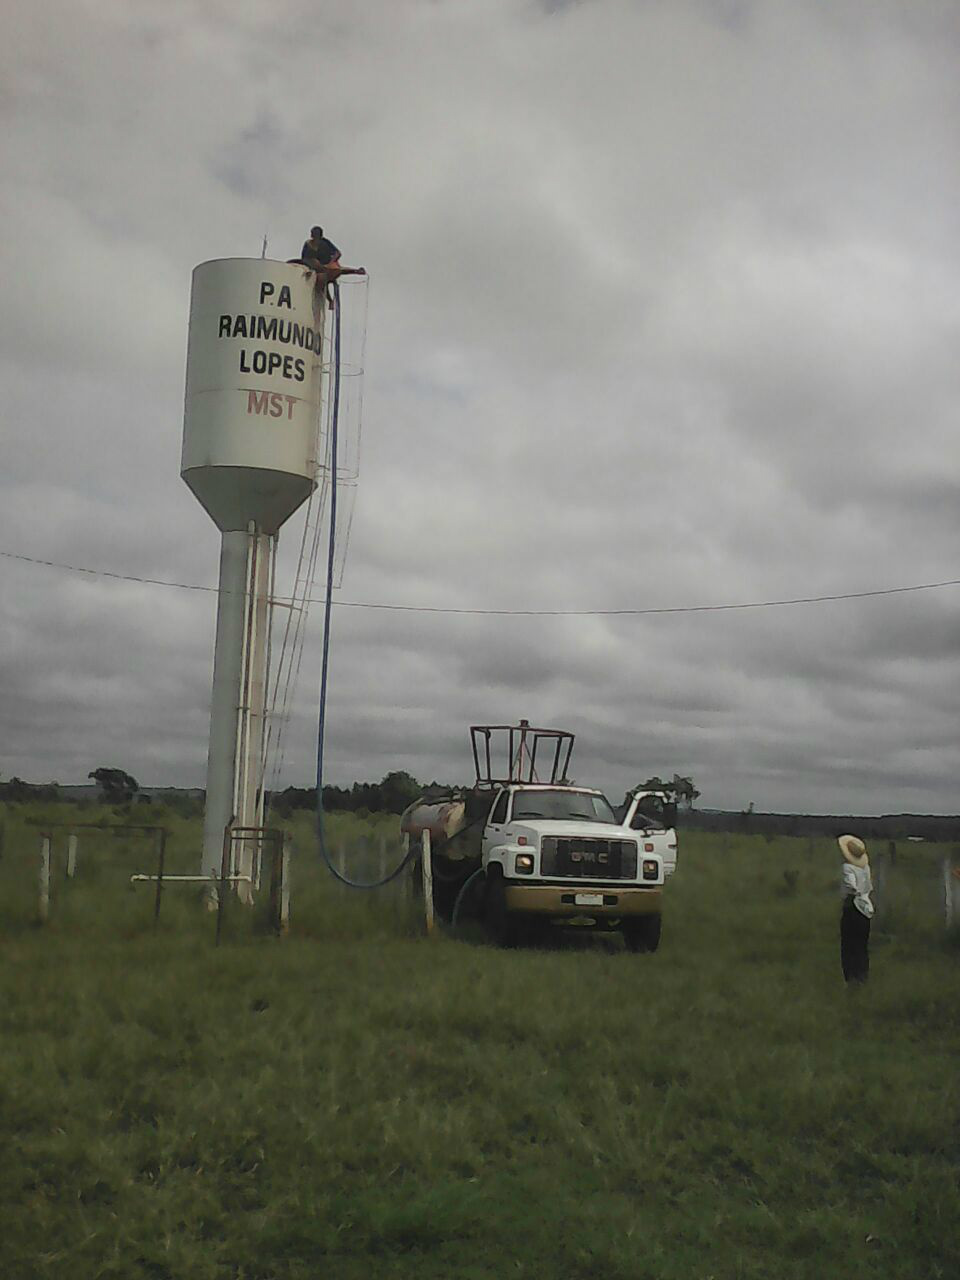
557 853
532 848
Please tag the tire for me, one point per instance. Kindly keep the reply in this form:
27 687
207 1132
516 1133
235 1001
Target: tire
642 933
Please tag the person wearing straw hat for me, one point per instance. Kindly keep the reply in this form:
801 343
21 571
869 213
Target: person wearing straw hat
856 887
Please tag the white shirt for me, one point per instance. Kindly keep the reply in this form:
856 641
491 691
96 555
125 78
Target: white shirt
856 883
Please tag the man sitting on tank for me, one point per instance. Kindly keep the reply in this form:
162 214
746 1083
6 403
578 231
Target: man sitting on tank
322 256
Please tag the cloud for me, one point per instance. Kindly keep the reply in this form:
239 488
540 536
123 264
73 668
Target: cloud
662 312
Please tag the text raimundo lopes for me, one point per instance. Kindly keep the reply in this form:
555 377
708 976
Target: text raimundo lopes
271 329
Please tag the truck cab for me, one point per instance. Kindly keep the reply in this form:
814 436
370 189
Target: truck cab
556 853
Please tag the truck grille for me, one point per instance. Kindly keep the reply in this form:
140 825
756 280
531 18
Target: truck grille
580 857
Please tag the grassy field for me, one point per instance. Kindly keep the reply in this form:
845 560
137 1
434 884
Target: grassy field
360 1101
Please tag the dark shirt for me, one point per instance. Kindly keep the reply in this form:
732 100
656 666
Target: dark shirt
321 251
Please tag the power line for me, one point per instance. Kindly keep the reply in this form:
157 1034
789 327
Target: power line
106 573
507 613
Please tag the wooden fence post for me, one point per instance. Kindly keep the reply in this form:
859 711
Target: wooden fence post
405 885
951 890
285 886
881 887
71 855
427 863
43 904
160 846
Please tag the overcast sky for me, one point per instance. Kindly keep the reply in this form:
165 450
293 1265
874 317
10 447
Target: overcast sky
664 310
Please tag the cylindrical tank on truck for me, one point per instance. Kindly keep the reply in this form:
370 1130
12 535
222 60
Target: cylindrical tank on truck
455 823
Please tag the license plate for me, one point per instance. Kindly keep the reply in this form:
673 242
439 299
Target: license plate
588 899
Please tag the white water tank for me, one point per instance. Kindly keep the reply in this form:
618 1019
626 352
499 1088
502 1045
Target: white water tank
252 408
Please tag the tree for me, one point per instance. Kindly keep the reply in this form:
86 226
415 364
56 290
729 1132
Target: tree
16 790
397 790
684 791
116 785
680 789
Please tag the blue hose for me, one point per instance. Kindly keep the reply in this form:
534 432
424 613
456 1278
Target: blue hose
327 608
462 894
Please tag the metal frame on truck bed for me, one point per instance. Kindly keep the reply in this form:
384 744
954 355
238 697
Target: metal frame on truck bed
529 754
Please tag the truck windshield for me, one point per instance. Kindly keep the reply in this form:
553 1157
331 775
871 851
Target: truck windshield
581 805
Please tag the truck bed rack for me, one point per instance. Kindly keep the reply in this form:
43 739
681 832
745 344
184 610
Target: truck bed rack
530 755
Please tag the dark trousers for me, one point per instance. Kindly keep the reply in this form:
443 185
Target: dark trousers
854 943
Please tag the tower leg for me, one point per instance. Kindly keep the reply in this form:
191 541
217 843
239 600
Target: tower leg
252 730
226 697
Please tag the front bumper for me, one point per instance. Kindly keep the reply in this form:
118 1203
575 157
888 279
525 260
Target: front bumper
561 899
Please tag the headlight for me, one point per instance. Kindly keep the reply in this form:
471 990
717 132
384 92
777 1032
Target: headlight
651 869
524 864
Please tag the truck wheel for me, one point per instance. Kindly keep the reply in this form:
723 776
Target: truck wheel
501 927
642 933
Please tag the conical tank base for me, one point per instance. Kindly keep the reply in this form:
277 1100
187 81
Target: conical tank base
235 496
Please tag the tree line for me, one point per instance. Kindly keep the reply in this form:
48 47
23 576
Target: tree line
116 787
392 794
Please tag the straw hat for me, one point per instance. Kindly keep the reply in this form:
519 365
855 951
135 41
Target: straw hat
853 850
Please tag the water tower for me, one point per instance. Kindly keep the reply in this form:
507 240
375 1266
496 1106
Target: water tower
251 443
